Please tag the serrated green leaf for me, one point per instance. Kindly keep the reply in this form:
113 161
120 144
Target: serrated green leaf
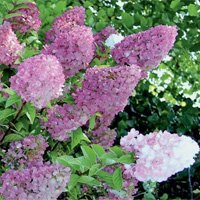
30 112
4 114
109 158
127 19
99 150
107 177
175 4
94 169
89 181
12 137
117 150
69 161
73 194
110 12
9 91
60 7
11 15
77 136
193 10
20 6
19 125
12 99
89 153
100 25
149 196
117 179
92 122
73 181
126 159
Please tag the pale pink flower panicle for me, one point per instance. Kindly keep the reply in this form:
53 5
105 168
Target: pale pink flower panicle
39 80
10 47
160 154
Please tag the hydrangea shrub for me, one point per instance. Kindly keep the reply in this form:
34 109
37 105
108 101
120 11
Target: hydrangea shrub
61 145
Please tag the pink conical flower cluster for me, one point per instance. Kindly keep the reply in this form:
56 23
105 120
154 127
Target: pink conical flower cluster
35 183
65 22
39 80
64 119
106 90
74 49
159 154
25 153
30 19
145 49
10 47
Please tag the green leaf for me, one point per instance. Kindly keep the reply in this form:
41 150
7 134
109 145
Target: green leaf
99 150
19 125
30 112
87 4
92 122
85 164
12 99
149 196
193 10
4 114
73 194
117 179
126 159
175 4
24 1
165 196
110 12
89 153
19 6
89 181
69 161
11 15
101 14
28 52
117 150
77 136
73 181
94 169
107 177
12 137
9 91
1 198
100 25
109 158
127 19
60 7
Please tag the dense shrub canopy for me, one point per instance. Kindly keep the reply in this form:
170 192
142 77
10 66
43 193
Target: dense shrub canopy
99 99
